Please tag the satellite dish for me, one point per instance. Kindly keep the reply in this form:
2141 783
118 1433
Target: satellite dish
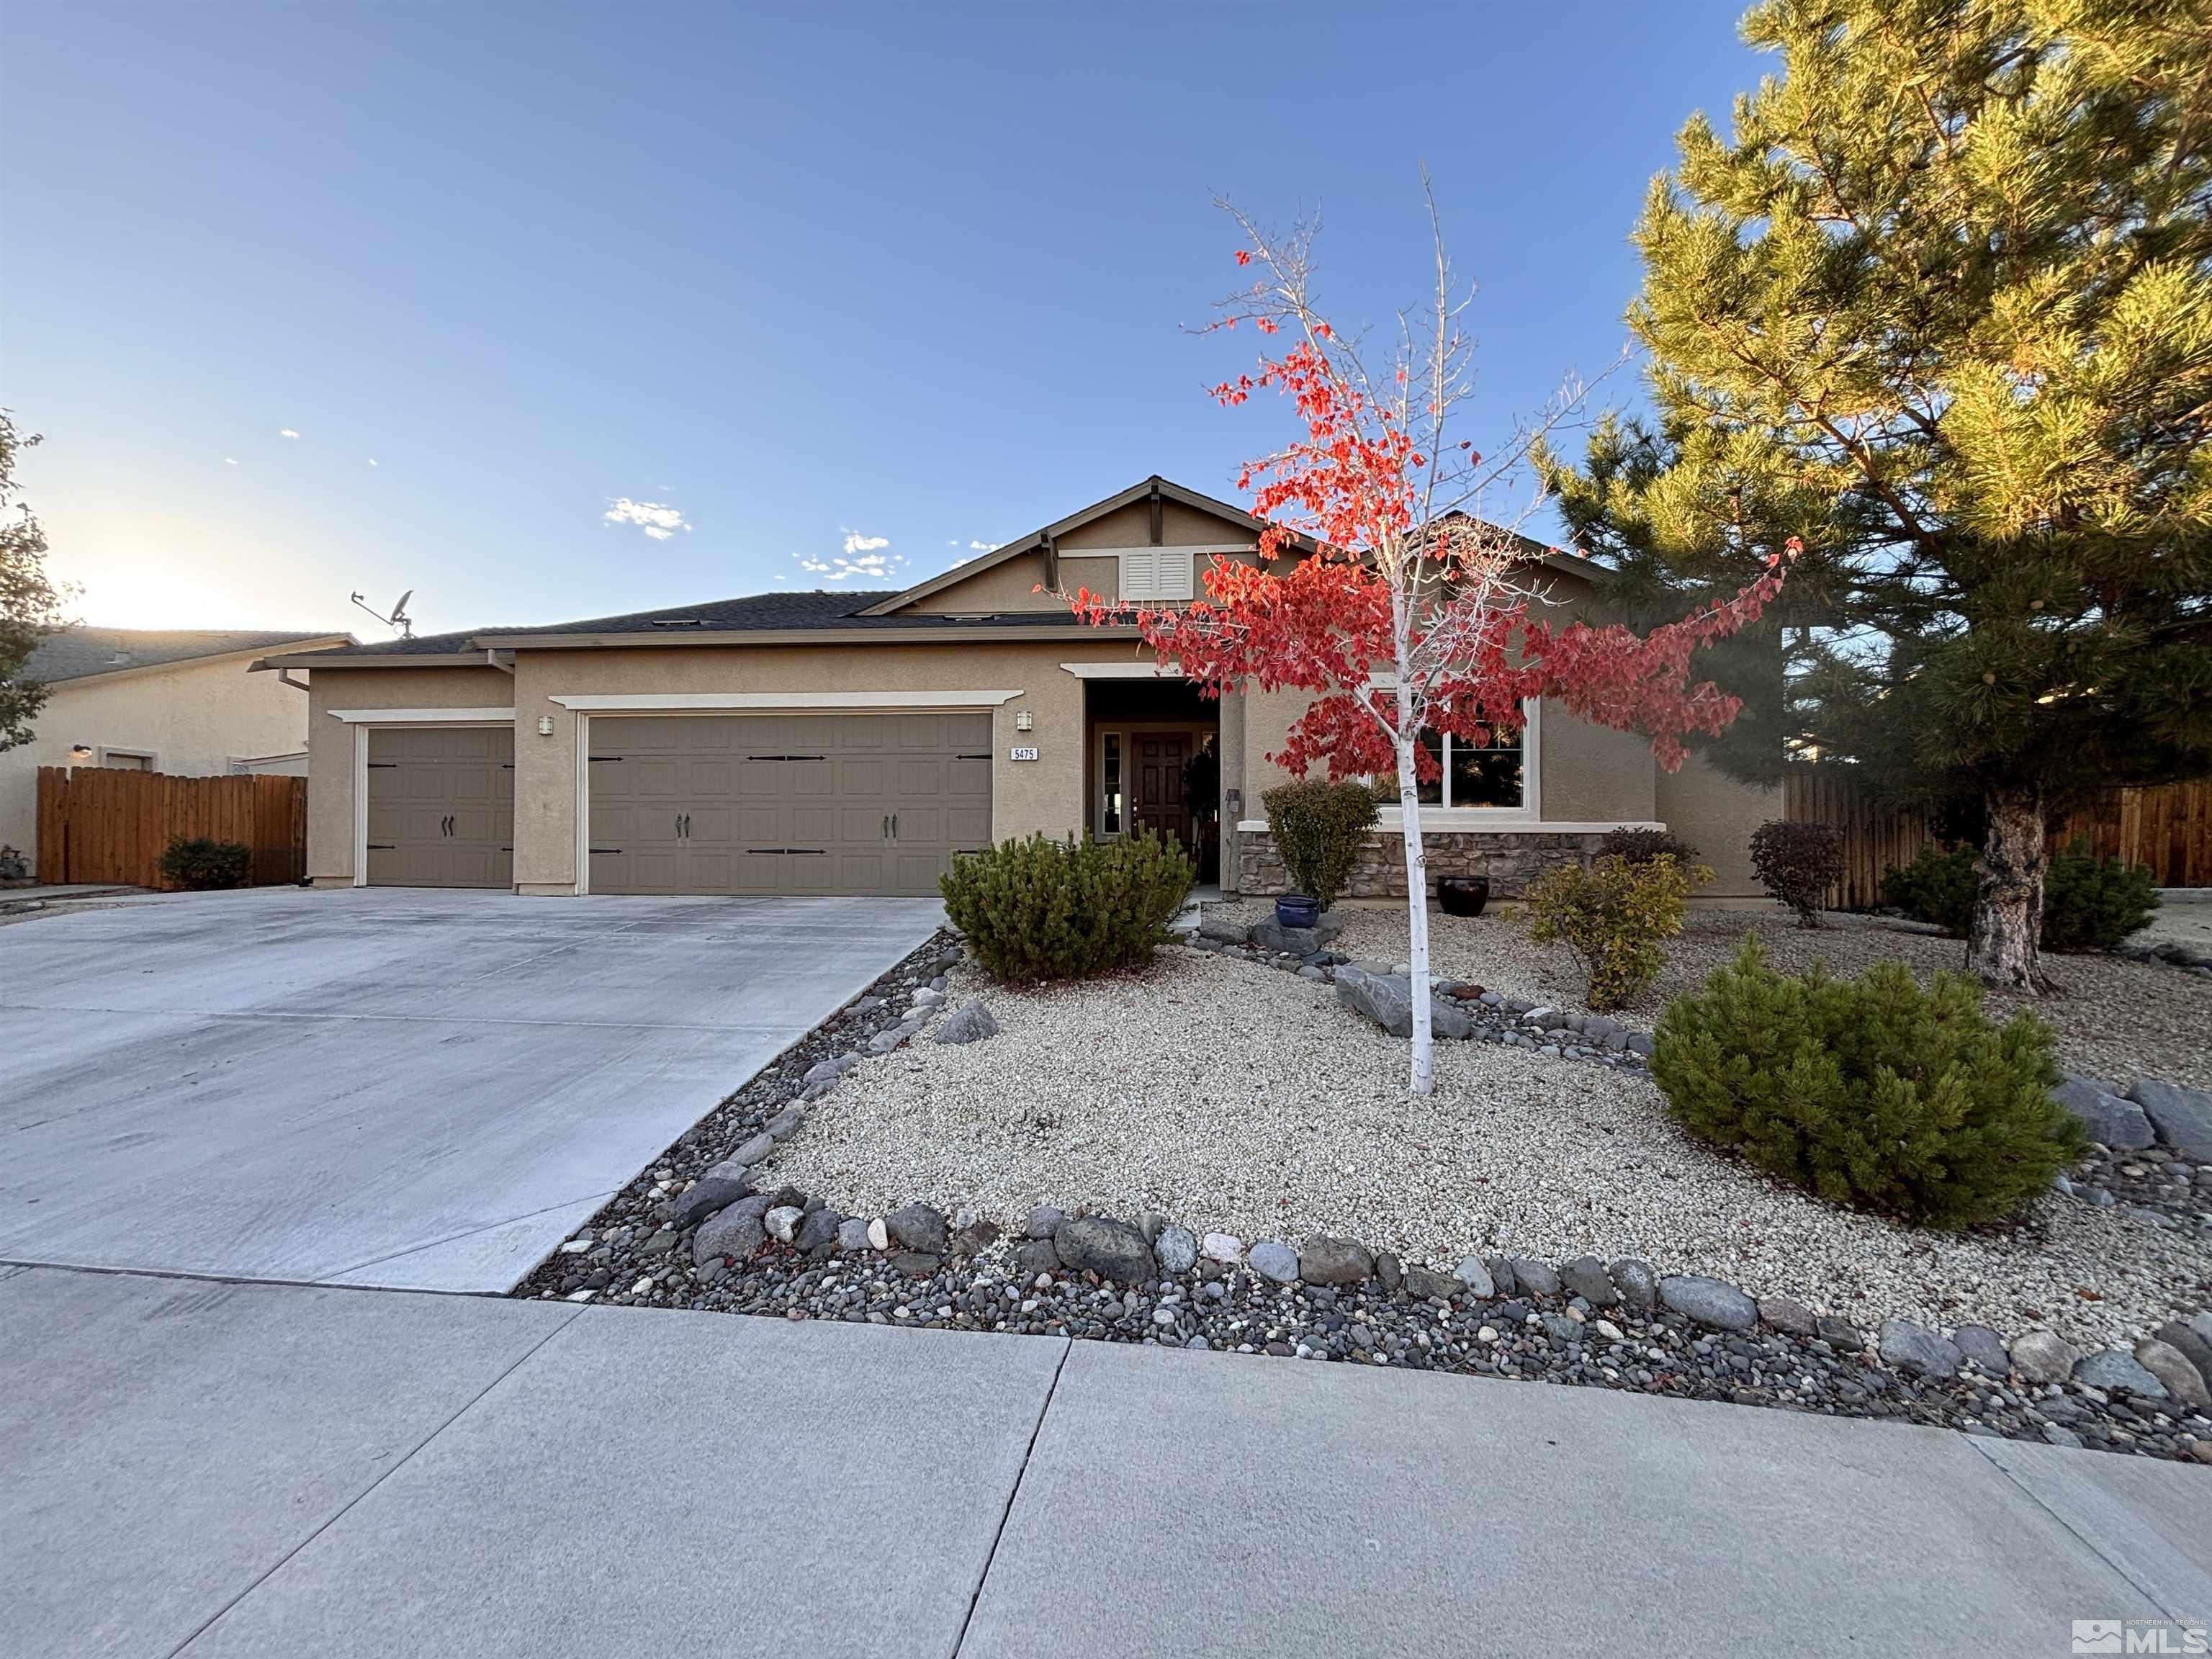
397 620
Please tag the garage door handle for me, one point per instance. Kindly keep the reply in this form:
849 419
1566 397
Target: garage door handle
887 826
894 826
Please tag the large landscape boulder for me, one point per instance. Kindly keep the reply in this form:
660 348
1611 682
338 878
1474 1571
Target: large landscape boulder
2183 1117
970 1022
1268 934
2106 1115
1383 998
1914 1348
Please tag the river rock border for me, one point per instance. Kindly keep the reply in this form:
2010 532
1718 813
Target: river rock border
698 1230
1458 1011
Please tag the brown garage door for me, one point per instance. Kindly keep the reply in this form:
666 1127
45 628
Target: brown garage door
868 804
442 806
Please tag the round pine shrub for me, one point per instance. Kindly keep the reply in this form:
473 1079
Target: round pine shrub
197 864
1798 863
1870 1091
1041 909
2089 903
1936 887
1319 829
2092 904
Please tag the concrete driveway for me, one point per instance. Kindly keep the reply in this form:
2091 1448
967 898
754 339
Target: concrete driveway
385 1087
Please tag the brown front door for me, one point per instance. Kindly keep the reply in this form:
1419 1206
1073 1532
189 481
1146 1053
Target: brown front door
1158 801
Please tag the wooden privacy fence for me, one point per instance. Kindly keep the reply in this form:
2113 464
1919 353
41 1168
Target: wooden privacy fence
1874 837
97 824
2168 830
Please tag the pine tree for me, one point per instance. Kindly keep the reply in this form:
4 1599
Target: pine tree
1941 306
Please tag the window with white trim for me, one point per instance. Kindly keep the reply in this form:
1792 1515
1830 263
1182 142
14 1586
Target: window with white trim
1494 774
1160 574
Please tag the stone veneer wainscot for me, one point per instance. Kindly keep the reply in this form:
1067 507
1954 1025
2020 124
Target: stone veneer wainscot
1510 858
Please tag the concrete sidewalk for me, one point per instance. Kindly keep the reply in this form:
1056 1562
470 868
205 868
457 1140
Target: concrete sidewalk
214 1469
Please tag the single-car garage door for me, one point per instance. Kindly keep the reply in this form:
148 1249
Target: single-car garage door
866 804
442 806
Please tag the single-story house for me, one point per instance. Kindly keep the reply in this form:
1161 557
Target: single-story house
156 700
852 743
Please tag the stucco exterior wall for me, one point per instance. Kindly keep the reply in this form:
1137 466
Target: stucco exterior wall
329 742
1716 814
193 717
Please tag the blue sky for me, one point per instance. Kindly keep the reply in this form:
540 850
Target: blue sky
911 276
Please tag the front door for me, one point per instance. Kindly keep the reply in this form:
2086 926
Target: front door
1157 799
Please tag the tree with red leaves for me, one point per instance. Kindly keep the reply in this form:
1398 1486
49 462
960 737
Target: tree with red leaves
1384 587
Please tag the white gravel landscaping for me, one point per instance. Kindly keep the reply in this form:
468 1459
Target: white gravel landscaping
1234 1098
2115 1019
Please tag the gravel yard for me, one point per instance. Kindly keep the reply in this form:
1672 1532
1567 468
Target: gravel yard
1230 1095
2115 1019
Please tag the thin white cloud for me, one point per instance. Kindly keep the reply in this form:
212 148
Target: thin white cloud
657 519
230 460
985 547
286 432
976 550
863 558
372 460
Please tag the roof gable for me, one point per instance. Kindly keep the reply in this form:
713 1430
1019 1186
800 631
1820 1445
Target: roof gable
1049 535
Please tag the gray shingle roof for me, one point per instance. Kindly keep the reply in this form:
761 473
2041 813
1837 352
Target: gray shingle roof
76 654
751 613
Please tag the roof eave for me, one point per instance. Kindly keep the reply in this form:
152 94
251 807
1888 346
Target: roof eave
894 636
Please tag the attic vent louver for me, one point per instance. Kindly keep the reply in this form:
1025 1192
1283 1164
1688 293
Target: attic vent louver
678 622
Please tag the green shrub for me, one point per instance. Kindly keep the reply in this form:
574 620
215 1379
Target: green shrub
2089 903
2092 903
1642 846
1319 829
1040 909
1869 1091
1936 887
1614 916
1798 863
197 864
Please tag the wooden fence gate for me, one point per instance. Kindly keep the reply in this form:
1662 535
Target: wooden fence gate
103 825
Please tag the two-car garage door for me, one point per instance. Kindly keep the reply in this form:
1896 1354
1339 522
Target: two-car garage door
801 803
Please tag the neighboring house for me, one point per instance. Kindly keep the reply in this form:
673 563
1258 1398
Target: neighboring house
156 700
850 742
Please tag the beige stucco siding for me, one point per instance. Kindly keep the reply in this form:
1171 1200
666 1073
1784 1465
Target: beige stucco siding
1011 585
194 718
1716 814
1046 794
329 742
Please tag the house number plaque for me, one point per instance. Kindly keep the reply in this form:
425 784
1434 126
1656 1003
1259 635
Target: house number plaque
1021 754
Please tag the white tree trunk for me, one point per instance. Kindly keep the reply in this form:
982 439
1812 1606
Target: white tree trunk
1423 1078
2005 945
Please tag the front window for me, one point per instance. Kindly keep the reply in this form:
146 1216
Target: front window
1476 774
1109 784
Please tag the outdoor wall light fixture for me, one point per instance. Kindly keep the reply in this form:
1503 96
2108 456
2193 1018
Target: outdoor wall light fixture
1025 721
544 725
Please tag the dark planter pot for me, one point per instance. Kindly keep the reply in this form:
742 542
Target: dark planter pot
1462 895
1297 910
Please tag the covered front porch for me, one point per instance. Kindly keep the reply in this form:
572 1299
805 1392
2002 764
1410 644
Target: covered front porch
1152 761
